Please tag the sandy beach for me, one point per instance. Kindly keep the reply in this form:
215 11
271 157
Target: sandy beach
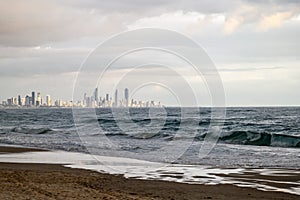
49 181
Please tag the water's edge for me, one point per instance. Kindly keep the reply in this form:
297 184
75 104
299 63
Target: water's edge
139 169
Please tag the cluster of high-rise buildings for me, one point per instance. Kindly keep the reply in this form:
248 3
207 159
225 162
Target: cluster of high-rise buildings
35 100
94 101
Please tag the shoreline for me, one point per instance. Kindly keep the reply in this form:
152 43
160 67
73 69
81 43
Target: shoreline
46 181
19 149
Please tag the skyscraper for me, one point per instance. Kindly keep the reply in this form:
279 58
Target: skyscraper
96 96
27 100
10 101
116 98
107 97
33 98
84 99
15 101
38 99
126 94
48 100
19 100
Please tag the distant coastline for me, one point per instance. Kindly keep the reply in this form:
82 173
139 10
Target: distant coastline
35 100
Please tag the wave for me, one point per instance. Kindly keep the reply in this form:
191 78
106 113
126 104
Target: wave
111 133
27 130
105 120
261 139
144 135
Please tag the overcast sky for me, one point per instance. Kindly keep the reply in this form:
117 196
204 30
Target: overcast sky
255 45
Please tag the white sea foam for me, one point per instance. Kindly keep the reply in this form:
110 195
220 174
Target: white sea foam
139 169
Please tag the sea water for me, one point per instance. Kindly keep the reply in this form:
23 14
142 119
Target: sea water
250 136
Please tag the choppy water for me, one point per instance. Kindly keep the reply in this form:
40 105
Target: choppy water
253 137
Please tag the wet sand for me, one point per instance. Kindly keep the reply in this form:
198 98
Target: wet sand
48 181
9 149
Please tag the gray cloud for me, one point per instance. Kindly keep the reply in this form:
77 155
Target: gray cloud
37 22
32 23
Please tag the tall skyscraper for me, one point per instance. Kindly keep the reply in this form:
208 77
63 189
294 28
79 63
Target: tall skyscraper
116 98
107 97
38 99
126 94
48 100
32 98
84 99
96 95
19 100
27 100
23 101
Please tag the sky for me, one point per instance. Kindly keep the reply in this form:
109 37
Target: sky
253 44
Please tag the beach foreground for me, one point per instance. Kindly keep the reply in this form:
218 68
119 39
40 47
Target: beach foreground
49 181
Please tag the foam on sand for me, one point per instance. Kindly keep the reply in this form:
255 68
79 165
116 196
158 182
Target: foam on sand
261 179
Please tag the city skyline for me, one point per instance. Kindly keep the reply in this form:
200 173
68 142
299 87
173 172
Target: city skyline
36 100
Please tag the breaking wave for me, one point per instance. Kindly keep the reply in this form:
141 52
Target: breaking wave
27 130
261 139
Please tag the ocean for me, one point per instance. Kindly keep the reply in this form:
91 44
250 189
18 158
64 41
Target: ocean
250 137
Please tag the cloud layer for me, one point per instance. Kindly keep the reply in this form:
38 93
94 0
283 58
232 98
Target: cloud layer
50 38
38 22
